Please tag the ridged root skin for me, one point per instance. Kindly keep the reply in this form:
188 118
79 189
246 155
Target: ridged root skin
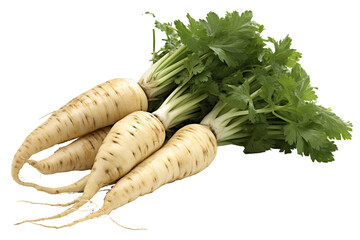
130 141
188 152
78 155
99 107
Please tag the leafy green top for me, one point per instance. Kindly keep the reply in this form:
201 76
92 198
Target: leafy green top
274 106
204 49
260 96
234 39
194 59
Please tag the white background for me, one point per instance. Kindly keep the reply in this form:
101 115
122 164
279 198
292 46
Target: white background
51 51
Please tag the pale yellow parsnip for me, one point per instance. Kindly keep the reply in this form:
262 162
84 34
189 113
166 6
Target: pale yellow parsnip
78 155
130 141
99 107
190 150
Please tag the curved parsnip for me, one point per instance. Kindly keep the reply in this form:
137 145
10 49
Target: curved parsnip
99 107
78 155
189 151
130 141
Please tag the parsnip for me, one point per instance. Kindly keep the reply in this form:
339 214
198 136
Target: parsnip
133 139
190 150
99 107
130 140
78 155
264 101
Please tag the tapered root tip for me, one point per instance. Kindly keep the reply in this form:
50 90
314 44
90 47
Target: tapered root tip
50 204
78 203
36 165
31 162
98 213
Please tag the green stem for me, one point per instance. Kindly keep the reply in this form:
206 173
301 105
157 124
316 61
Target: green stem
262 110
153 33
154 81
281 117
236 136
274 127
169 75
178 64
171 57
180 105
185 111
255 94
275 132
251 79
226 122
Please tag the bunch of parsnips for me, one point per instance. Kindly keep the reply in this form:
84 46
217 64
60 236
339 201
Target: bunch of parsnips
216 81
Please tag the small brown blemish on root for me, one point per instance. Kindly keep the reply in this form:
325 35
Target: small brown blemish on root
83 122
72 122
155 179
129 178
205 151
92 145
107 171
188 150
